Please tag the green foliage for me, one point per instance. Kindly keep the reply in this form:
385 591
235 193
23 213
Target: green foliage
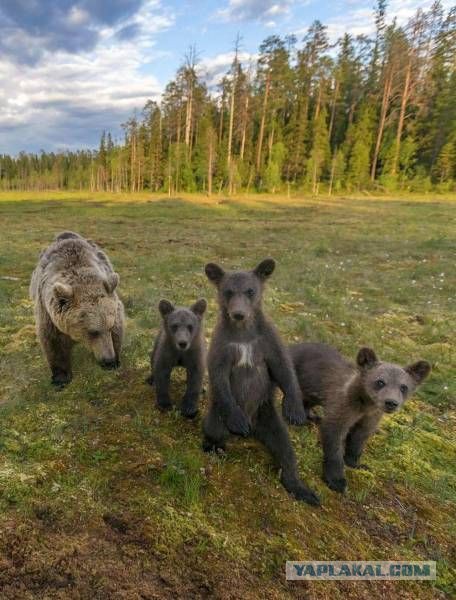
377 114
359 141
273 172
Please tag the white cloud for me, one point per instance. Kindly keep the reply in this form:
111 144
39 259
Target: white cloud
359 19
66 99
213 69
254 10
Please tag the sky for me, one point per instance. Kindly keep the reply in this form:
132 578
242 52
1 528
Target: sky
70 69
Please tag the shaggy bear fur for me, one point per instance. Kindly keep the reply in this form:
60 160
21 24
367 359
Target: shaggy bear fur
180 343
354 397
74 290
246 359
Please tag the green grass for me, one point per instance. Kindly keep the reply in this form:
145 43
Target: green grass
102 496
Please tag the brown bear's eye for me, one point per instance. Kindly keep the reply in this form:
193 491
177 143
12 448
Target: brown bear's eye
250 293
94 334
228 294
190 328
404 388
174 328
379 384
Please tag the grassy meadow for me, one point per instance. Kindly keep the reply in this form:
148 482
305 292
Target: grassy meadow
104 497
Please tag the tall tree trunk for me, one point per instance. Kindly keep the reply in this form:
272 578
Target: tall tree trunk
188 118
331 176
231 122
262 123
210 159
222 108
333 110
400 124
244 127
381 125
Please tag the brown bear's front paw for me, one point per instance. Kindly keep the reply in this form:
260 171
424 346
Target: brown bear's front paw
354 464
294 413
211 446
336 484
189 408
238 423
300 491
164 404
60 378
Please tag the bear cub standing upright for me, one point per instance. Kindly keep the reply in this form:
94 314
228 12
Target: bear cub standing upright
180 342
246 359
74 290
354 399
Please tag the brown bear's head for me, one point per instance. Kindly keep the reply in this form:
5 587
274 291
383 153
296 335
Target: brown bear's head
388 385
86 311
240 292
182 325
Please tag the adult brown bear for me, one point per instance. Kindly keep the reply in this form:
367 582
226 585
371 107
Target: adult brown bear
74 290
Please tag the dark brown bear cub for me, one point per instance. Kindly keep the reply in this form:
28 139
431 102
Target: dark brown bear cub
246 358
180 343
354 398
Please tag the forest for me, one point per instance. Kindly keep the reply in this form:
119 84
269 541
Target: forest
364 114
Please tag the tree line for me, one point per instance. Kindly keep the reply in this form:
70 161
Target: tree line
366 113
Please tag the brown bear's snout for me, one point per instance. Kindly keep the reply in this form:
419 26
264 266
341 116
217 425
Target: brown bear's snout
391 405
238 316
239 309
108 364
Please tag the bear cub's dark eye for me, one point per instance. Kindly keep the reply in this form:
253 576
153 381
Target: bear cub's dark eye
174 328
250 293
379 384
190 328
94 334
228 294
404 388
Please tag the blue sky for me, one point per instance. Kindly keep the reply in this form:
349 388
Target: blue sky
71 68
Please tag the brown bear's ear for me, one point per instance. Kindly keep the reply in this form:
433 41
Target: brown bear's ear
265 268
214 273
366 358
199 308
111 282
419 371
165 307
62 291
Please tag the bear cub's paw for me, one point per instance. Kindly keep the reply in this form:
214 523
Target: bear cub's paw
338 485
237 422
294 414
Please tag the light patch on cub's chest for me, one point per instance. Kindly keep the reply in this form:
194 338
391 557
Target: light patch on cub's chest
245 354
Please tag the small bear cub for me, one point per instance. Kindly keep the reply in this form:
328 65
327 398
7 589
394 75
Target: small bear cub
247 359
354 399
180 343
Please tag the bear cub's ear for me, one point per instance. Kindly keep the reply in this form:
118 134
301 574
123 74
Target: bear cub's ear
199 308
419 371
112 281
366 358
62 291
265 268
165 307
214 273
